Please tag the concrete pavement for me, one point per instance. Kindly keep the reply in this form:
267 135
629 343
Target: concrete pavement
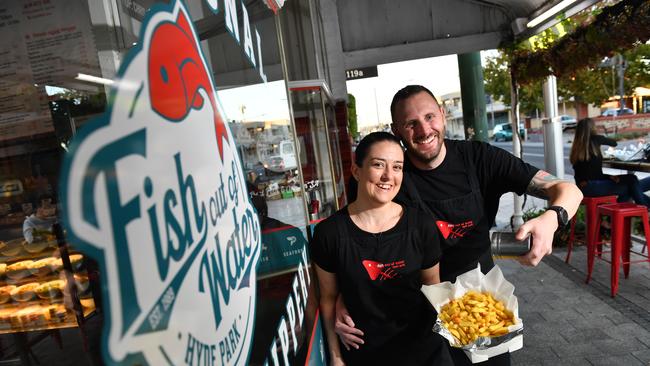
568 322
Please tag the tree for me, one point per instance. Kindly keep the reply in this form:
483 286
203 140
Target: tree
352 116
497 83
571 50
593 85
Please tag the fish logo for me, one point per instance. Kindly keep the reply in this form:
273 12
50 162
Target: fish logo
153 191
177 75
454 231
383 271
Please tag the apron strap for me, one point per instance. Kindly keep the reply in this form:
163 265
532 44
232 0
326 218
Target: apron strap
414 195
472 177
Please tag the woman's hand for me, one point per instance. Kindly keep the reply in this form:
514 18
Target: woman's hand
344 327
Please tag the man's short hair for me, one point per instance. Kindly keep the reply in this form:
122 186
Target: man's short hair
407 92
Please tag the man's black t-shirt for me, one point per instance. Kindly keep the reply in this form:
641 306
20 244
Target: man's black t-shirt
379 277
497 171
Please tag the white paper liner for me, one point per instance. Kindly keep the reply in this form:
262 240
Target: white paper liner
494 283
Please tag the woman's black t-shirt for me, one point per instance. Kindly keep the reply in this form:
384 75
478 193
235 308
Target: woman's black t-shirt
379 277
592 169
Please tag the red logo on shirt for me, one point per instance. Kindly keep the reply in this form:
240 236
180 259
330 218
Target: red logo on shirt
383 271
453 231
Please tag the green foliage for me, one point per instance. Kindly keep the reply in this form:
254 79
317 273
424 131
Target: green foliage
352 116
497 83
612 29
592 85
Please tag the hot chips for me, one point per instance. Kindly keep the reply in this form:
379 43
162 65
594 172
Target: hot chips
476 315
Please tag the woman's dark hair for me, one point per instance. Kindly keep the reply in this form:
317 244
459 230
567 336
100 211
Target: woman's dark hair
366 143
405 93
582 148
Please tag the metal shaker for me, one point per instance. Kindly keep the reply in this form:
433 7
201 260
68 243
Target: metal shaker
504 244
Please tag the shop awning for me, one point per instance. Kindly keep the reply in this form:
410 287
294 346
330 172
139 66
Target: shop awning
377 32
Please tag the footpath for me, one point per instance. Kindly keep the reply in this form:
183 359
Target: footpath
568 322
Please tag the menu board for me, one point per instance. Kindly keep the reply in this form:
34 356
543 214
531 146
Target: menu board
44 43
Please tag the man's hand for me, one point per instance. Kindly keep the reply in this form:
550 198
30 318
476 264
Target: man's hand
344 326
542 228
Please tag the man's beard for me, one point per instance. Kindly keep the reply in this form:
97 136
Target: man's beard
425 158
422 157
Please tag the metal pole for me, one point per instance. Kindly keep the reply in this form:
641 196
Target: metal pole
472 93
518 214
621 80
553 152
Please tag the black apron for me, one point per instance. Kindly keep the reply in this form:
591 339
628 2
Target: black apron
464 227
410 342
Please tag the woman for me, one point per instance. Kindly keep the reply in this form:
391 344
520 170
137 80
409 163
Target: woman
587 161
377 254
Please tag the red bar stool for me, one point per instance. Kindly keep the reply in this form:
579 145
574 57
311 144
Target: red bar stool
621 216
591 215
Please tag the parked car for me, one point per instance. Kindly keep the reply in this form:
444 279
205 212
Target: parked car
284 161
568 122
503 132
611 112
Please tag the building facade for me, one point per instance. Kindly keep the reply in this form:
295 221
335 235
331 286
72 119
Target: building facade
129 234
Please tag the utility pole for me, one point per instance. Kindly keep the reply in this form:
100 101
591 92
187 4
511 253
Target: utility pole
518 214
621 66
553 151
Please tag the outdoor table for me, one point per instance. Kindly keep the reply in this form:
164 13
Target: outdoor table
630 166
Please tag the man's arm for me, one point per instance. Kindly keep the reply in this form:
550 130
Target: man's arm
559 193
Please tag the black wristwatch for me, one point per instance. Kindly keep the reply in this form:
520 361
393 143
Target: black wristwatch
562 216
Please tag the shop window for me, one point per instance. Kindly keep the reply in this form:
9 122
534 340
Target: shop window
59 63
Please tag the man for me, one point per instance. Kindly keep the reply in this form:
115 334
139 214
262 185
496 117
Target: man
41 220
460 183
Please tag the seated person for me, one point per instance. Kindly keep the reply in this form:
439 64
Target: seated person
41 220
587 161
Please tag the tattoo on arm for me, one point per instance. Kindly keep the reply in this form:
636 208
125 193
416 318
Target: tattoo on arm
538 186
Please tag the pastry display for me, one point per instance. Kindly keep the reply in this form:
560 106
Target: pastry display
32 285
55 312
24 292
76 260
42 267
12 247
88 304
36 246
56 264
42 240
31 316
5 293
19 270
50 290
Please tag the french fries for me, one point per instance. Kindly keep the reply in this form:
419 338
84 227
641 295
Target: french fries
476 315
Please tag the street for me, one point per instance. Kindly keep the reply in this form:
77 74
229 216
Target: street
533 153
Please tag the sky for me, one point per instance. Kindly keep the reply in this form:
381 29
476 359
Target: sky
373 95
